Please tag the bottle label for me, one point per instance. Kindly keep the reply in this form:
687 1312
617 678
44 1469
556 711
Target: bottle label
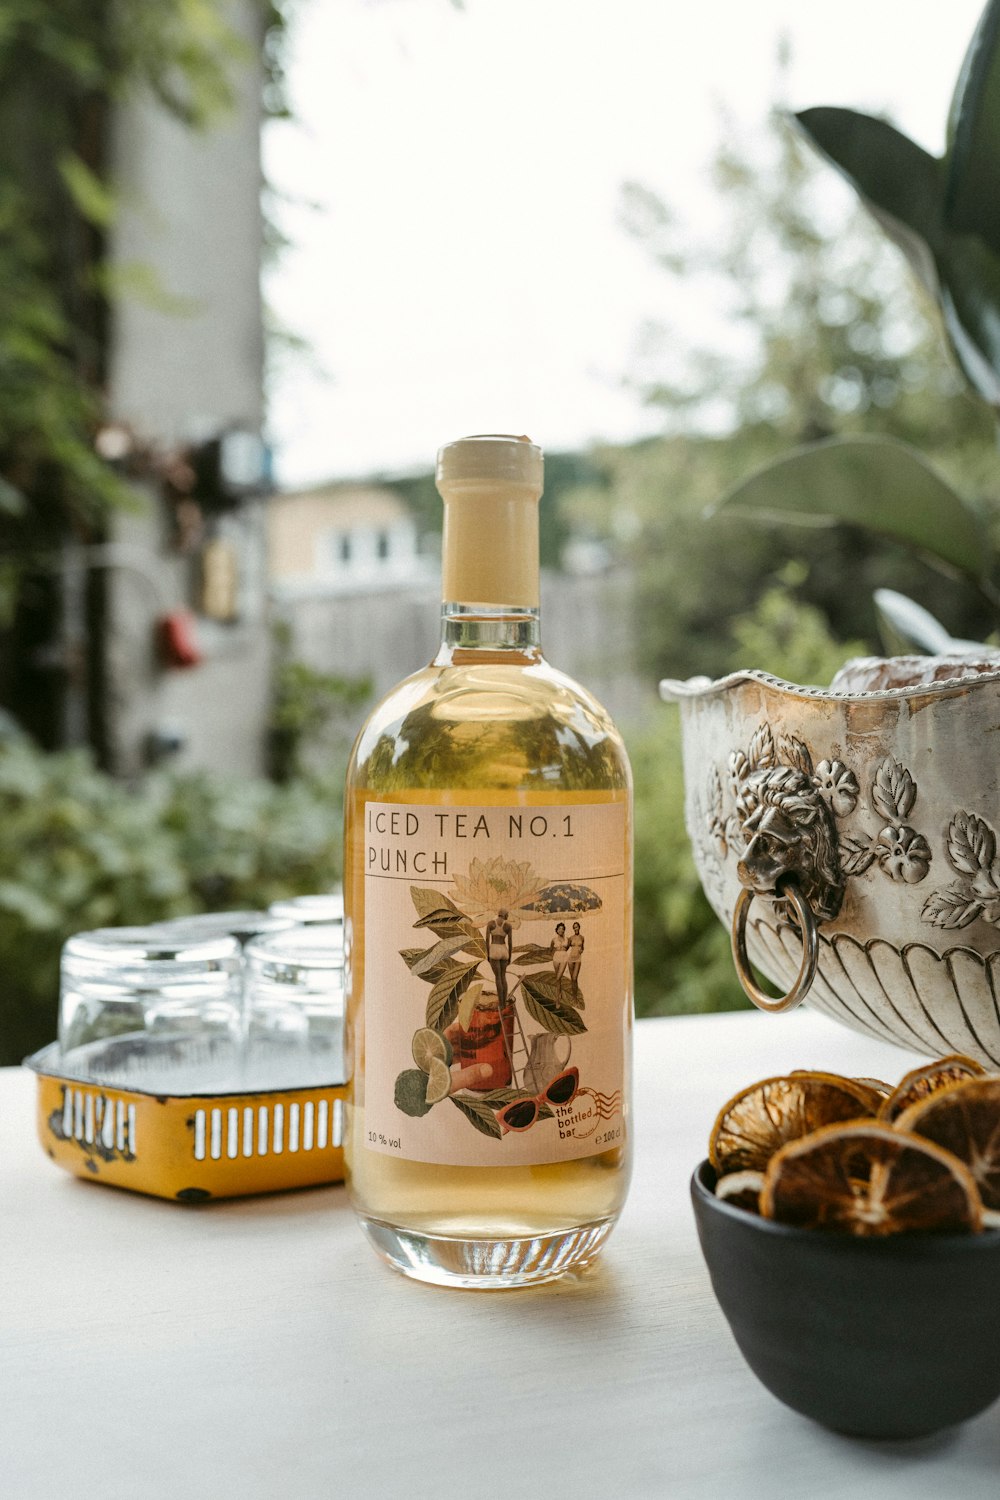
496 975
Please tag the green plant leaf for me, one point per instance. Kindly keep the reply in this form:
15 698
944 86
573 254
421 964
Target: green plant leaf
878 483
91 196
548 1008
901 184
12 502
905 626
971 200
532 953
906 190
140 282
443 1000
970 305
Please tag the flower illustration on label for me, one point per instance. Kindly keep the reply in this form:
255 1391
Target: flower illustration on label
491 883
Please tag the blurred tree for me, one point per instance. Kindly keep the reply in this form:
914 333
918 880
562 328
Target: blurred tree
313 716
818 332
683 962
63 70
80 851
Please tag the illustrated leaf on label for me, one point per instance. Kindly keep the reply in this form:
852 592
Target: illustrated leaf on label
432 956
435 909
760 751
894 790
951 908
442 923
856 855
972 844
412 956
443 1000
473 940
548 1007
532 953
796 753
479 1114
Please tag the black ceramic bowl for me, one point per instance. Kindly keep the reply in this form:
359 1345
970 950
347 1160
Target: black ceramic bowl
880 1338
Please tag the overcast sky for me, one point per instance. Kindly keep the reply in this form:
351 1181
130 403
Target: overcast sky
464 268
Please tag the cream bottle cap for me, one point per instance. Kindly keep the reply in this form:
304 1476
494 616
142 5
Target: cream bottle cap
490 457
490 484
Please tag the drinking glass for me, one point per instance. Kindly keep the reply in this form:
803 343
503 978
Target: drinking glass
242 925
151 1009
324 908
294 1007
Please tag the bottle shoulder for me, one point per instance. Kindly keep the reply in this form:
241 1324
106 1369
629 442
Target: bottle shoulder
490 723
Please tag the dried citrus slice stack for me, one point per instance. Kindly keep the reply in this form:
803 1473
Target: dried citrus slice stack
870 1179
741 1189
964 1119
759 1120
880 1087
921 1082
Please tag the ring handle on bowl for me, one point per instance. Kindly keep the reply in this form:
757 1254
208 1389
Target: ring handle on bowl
810 950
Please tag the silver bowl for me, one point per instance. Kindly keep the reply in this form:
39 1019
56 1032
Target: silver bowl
851 841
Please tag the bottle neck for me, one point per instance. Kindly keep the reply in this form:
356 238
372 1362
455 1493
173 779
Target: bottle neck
490 570
506 630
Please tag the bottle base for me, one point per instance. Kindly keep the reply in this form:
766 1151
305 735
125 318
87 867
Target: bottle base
488 1265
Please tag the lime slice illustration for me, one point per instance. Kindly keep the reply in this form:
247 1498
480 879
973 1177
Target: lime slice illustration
409 1093
468 1004
438 1082
429 1045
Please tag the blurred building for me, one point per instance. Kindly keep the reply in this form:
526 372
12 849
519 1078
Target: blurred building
359 598
186 660
349 583
342 539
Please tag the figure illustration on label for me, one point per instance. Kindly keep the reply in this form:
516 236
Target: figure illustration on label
498 950
472 1049
575 955
560 951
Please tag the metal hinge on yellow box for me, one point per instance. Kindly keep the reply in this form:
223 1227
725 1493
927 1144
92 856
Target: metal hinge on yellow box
200 1058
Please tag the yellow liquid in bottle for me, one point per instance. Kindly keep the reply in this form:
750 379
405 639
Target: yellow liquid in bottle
495 727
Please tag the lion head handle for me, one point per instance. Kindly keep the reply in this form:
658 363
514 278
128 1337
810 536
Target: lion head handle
789 834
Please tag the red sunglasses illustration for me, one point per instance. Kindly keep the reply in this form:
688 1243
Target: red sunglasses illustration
521 1114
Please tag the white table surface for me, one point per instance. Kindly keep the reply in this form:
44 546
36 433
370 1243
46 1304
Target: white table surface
258 1348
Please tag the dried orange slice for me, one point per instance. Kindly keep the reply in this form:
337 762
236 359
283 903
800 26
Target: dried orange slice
870 1179
741 1189
920 1083
964 1119
877 1084
758 1120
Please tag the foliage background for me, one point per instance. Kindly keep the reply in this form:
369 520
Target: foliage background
835 341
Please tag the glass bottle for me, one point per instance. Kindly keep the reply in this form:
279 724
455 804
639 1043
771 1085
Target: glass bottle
488 891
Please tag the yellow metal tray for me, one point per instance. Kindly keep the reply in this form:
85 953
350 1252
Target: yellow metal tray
189 1147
